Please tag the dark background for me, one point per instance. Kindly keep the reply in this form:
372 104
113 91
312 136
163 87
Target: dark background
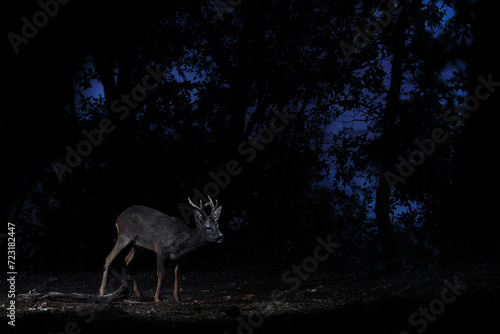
263 55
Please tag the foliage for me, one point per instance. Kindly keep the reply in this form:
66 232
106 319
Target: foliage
223 79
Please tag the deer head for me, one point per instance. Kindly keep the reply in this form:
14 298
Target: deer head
208 223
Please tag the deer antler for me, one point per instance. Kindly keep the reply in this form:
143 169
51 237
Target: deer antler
198 207
194 206
211 203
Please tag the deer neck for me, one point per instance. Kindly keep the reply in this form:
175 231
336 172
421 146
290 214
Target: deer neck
197 238
194 238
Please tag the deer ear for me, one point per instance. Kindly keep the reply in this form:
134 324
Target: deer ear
216 213
198 217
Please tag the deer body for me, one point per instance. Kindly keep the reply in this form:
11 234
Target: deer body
168 237
153 230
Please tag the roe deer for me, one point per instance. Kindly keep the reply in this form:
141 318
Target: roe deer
168 236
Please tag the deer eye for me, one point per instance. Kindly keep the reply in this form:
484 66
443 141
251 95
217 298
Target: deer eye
209 228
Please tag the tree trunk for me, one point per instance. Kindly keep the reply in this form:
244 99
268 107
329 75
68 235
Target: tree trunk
388 138
382 213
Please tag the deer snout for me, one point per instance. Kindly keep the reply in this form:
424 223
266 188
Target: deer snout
220 239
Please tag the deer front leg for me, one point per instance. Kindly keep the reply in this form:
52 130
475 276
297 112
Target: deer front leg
160 259
176 286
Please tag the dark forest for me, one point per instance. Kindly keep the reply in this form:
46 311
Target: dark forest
350 144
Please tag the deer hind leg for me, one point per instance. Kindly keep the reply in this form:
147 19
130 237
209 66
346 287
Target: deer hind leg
121 243
135 250
176 286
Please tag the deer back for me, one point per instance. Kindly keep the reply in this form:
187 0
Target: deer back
148 227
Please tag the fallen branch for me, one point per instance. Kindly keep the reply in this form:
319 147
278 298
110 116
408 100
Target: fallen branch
119 294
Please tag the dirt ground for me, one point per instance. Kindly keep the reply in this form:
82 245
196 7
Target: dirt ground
455 298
